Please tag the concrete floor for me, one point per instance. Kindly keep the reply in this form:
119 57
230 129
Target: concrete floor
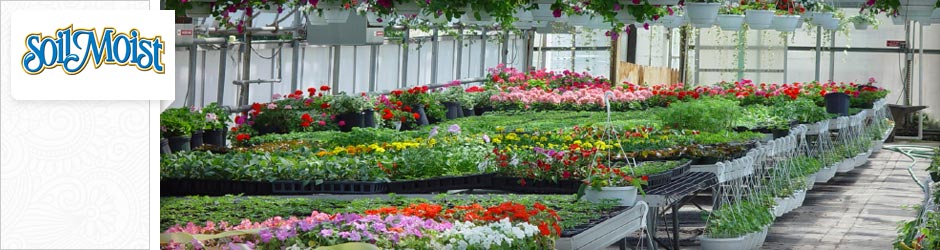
855 210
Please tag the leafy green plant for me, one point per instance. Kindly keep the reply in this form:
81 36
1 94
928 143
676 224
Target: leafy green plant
215 116
342 103
177 122
706 114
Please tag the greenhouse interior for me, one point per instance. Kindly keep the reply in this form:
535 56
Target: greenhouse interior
552 124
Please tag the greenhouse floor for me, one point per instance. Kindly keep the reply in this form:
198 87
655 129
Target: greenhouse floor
855 210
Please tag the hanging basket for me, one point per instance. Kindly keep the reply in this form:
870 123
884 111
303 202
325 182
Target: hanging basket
626 195
333 12
374 19
408 9
831 23
523 15
314 18
724 243
674 21
758 19
860 25
660 2
199 10
702 15
625 17
543 13
730 22
819 18
785 23
579 20
470 18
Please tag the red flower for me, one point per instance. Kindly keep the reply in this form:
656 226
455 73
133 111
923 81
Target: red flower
396 92
407 108
298 92
256 107
242 137
311 91
522 182
416 115
325 105
645 178
305 124
324 88
234 129
387 116
543 227
306 118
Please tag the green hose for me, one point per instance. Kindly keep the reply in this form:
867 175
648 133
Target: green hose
913 152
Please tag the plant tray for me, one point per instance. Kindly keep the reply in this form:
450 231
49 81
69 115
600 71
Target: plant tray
441 184
600 219
182 187
511 184
606 232
656 180
328 187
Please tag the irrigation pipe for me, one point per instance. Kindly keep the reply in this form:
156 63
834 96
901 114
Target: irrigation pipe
913 152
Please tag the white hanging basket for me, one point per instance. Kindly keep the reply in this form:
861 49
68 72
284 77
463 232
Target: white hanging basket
860 25
831 23
673 21
799 23
819 18
374 19
758 19
334 12
917 13
523 25
441 19
409 9
470 18
702 15
199 10
314 18
724 243
660 2
544 13
785 23
625 17
730 22
579 20
846 165
523 15
626 195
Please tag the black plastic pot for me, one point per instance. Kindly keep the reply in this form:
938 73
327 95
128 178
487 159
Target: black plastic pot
837 103
780 133
423 120
179 143
267 129
368 118
468 112
165 146
453 110
214 137
479 110
935 176
350 120
196 139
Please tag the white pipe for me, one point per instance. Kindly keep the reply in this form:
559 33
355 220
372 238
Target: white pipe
920 81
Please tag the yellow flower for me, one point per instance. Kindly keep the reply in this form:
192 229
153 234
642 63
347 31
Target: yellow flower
380 150
351 150
519 130
497 140
543 138
500 129
322 153
338 150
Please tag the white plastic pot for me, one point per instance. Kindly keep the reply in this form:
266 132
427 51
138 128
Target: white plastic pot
408 9
660 2
199 10
758 19
441 19
785 23
820 17
702 15
673 21
625 17
723 243
861 26
811 181
831 23
470 17
579 20
730 22
876 145
799 23
846 165
374 19
523 15
333 12
314 18
626 195
543 13
861 159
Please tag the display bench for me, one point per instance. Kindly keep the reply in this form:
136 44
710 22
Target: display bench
608 232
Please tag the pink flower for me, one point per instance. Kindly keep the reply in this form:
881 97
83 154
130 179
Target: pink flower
272 106
342 123
322 123
276 96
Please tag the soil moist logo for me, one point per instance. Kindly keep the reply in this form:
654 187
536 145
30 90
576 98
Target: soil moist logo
74 49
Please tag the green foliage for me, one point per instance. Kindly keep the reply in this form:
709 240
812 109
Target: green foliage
706 114
233 209
342 103
178 122
220 114
737 219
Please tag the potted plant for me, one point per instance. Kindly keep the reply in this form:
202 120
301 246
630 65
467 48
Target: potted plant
612 183
758 15
164 145
215 119
417 99
862 21
674 19
702 13
452 98
730 17
821 13
198 124
177 126
787 17
368 111
271 118
348 111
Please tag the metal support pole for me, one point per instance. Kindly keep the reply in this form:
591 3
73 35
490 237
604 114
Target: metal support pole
504 52
818 49
373 67
760 58
483 52
742 52
355 67
295 64
668 49
337 50
786 52
544 52
222 53
191 85
907 63
435 46
403 54
614 58
574 44
243 89
631 44
698 58
529 45
832 55
202 89
920 81
684 54
458 70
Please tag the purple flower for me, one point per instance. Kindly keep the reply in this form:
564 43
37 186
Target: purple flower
265 235
326 232
283 234
433 132
276 96
486 138
646 26
454 129
306 226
